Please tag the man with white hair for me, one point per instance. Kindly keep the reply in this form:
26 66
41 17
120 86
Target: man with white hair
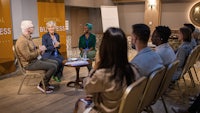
29 56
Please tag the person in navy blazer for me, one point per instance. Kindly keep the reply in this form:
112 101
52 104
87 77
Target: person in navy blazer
51 41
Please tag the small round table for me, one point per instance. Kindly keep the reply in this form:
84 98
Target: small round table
78 83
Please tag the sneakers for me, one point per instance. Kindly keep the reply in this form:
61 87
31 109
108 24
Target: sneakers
57 79
48 89
51 87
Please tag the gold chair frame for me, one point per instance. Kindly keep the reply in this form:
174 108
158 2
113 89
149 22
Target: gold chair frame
151 90
171 68
27 73
132 96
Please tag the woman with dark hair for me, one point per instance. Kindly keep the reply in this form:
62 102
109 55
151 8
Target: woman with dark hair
113 73
192 28
183 51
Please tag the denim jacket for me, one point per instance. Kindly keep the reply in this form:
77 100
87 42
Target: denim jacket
147 61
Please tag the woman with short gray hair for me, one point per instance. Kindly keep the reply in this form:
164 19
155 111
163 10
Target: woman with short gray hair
51 40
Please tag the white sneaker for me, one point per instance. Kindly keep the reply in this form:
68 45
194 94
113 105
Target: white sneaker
48 90
51 87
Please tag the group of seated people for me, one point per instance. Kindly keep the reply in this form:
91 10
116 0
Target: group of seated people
112 73
47 56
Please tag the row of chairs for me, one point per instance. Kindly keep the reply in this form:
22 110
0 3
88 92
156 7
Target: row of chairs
191 60
144 92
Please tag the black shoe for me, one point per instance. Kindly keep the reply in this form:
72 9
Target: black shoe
51 86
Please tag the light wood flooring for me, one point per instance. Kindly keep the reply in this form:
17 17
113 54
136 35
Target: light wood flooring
63 99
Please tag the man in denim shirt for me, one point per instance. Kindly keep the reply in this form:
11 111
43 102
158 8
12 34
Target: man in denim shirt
146 60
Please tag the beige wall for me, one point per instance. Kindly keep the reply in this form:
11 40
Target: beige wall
95 19
172 14
129 15
175 14
152 14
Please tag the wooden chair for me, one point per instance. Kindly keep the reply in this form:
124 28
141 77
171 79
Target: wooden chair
132 96
27 72
197 50
190 61
151 90
171 68
193 60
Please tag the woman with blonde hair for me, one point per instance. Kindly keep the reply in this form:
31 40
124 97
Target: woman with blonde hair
51 40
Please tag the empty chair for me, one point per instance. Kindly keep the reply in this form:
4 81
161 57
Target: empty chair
27 72
132 96
151 89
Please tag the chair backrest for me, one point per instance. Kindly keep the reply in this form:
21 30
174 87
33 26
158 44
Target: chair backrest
191 59
132 96
151 89
194 55
18 60
171 68
197 52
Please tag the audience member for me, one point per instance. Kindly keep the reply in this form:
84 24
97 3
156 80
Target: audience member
192 28
108 81
183 50
51 40
160 39
146 60
196 35
30 57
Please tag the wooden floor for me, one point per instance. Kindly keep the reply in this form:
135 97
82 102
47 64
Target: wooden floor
63 99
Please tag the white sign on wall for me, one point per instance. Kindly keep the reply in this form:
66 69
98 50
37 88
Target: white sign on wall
109 16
